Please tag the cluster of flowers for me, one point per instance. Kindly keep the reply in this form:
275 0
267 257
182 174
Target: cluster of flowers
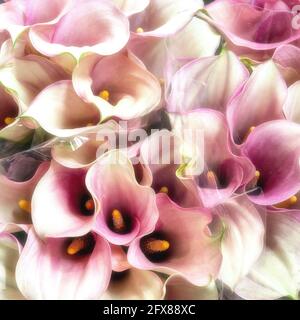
202 201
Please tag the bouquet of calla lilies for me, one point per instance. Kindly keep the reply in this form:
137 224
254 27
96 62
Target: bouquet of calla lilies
149 149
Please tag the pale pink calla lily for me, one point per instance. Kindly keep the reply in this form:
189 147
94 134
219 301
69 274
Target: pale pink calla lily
103 30
197 36
61 112
271 24
243 238
128 210
206 82
15 201
164 18
291 106
287 59
178 288
224 172
119 85
61 195
46 270
19 15
26 85
134 284
276 273
191 252
274 149
261 99
164 169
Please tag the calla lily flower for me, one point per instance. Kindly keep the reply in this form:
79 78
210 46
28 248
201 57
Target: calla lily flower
65 268
25 85
9 254
130 7
242 240
58 37
287 59
260 100
15 202
270 21
61 112
164 18
224 172
290 107
119 85
199 40
19 15
133 213
189 250
206 82
164 172
134 284
274 150
61 195
178 288
276 273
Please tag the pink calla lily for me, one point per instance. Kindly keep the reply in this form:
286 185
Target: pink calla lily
224 172
271 23
51 109
193 254
51 270
25 86
133 213
206 82
243 238
261 99
16 200
119 85
69 201
164 172
199 41
274 149
287 59
59 37
19 15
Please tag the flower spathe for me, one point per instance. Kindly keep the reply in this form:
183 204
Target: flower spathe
58 37
102 81
90 271
133 213
277 182
69 201
187 252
